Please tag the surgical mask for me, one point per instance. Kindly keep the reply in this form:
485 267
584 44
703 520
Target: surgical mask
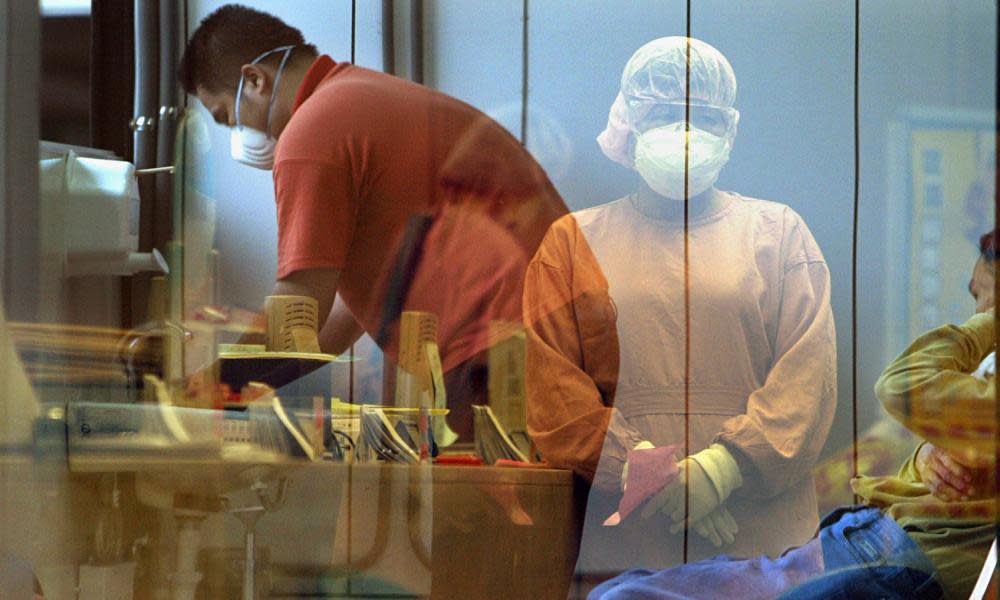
250 146
659 159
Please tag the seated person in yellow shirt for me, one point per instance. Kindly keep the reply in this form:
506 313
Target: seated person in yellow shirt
887 443
921 534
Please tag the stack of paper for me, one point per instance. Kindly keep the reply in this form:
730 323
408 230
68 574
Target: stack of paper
380 438
508 399
272 428
492 442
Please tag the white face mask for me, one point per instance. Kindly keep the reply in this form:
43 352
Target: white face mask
659 159
253 147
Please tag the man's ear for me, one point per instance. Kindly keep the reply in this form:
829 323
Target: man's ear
256 80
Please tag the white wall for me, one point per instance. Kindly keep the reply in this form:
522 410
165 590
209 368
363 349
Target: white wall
794 60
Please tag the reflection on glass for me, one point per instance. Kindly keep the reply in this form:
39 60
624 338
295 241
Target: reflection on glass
675 349
391 198
924 531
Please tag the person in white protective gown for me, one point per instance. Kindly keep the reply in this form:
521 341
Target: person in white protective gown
720 341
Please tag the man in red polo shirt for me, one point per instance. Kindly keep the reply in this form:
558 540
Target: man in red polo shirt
355 155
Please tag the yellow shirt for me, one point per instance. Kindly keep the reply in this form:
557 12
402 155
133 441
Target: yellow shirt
929 389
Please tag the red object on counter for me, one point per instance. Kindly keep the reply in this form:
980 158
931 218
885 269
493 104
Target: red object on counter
519 464
469 460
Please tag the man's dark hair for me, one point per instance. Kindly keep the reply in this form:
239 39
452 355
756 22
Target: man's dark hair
229 38
988 245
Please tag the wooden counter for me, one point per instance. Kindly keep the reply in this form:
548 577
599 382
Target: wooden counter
375 530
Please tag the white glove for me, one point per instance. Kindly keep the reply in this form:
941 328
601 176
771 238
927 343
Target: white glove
718 527
709 476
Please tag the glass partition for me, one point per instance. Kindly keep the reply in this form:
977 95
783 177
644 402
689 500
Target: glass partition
505 299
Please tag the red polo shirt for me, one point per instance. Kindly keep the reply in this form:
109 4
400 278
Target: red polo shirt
362 153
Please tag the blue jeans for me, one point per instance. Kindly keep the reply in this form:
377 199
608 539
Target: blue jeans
867 555
860 553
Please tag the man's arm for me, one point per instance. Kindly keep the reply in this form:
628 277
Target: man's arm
341 329
929 388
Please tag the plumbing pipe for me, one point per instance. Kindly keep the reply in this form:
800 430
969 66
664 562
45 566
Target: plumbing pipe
417 41
146 68
164 213
388 38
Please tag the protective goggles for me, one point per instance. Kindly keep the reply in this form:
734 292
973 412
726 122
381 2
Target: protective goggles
645 114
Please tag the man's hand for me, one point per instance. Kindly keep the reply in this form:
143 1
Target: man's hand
944 476
340 330
202 388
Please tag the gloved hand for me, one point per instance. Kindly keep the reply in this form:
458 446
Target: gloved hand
710 476
718 527
702 497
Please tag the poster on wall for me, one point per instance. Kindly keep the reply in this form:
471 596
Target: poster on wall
941 202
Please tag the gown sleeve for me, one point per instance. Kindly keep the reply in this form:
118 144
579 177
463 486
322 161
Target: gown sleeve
572 360
777 441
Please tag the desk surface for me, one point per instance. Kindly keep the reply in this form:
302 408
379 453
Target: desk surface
199 475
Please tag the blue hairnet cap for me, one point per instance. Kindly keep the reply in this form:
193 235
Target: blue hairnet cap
657 72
